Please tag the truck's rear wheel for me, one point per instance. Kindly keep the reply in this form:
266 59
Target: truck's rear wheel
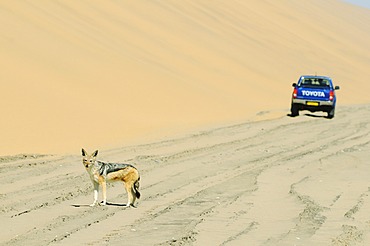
294 110
331 113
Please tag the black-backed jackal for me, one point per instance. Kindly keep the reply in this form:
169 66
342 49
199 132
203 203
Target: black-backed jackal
103 172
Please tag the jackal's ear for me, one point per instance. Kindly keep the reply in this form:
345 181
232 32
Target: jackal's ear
84 153
95 153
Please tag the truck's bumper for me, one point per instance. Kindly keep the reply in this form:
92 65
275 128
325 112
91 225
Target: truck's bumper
313 105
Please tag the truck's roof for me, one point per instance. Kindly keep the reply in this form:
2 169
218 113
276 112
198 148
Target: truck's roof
315 77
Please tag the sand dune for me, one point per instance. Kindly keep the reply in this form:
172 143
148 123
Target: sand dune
288 181
87 73
104 75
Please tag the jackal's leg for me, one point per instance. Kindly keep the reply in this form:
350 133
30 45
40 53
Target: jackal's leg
96 192
128 187
133 198
104 189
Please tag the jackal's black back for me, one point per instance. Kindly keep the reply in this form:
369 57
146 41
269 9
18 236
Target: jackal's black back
107 167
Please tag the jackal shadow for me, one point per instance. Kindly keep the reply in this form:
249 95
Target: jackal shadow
108 204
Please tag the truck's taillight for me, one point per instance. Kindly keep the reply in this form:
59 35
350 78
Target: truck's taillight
331 95
295 92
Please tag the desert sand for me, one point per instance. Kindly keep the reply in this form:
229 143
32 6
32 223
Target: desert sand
195 94
287 181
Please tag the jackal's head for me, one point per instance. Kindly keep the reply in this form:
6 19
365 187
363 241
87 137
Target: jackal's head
88 160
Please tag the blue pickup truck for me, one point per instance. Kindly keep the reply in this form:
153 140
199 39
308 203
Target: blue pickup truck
314 93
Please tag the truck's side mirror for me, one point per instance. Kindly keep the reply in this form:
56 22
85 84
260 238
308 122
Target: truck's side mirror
336 87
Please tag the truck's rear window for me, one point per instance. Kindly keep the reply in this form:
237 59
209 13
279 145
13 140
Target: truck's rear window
315 83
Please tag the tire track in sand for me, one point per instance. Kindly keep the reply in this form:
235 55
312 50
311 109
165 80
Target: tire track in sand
208 187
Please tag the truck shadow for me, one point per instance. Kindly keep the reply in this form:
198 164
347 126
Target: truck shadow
316 116
309 115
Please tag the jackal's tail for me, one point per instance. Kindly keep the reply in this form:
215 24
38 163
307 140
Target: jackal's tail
136 188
